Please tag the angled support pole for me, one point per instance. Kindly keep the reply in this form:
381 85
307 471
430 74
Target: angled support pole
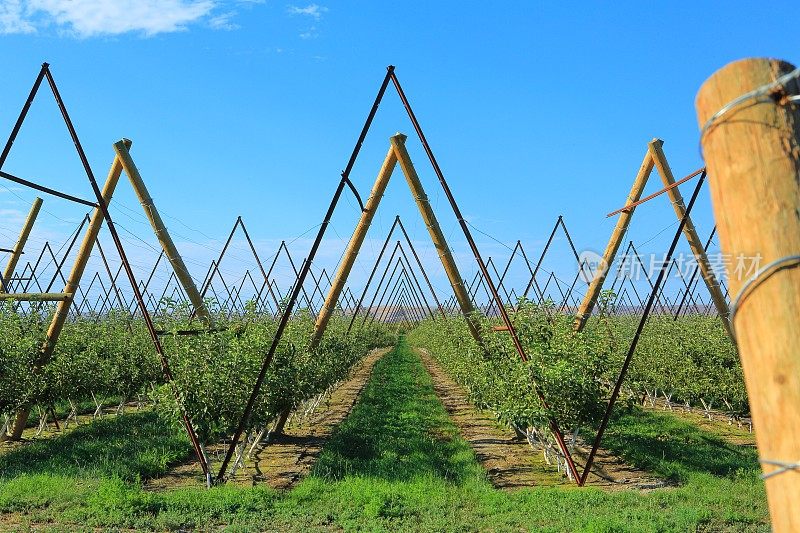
655 158
689 231
287 311
435 231
20 245
163 236
354 247
624 220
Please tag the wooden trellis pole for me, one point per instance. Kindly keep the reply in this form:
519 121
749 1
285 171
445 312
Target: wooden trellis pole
73 281
435 231
354 246
696 245
20 245
751 144
182 273
624 220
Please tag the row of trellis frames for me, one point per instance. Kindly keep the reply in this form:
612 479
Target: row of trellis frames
266 292
402 298
231 297
401 294
102 293
560 293
688 299
626 298
108 295
345 181
401 260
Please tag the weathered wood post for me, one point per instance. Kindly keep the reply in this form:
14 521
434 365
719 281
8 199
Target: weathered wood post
74 279
752 151
354 246
160 230
624 220
435 231
23 238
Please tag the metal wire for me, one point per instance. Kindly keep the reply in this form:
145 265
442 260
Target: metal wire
759 277
759 95
784 467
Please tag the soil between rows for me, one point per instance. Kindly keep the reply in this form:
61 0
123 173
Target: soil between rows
510 462
288 457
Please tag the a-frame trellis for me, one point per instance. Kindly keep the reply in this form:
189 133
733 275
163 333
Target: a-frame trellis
654 158
398 146
122 162
397 154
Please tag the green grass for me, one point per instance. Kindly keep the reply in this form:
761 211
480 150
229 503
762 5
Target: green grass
676 449
399 432
129 447
396 463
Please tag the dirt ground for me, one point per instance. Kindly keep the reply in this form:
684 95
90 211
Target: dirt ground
288 457
510 462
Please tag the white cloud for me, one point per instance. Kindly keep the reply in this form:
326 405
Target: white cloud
223 21
12 18
312 10
91 18
14 217
309 34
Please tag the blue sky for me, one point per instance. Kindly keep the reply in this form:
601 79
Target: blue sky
252 108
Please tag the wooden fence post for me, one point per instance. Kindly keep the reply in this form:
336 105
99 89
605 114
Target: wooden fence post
752 151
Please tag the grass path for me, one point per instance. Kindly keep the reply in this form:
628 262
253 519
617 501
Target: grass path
396 464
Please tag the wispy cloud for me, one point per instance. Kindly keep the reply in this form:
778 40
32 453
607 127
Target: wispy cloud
14 217
12 18
312 10
93 18
223 21
310 33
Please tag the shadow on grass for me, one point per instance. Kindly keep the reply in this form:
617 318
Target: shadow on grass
398 431
675 449
129 447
